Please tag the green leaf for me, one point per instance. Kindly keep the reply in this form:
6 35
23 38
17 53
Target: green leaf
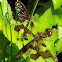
57 3
50 45
54 36
40 59
32 60
19 44
5 10
6 7
40 11
44 21
49 60
4 55
44 7
40 24
1 51
2 23
3 41
57 17
15 35
34 29
6 31
28 59
19 59
10 17
60 31
0 9
14 49
58 46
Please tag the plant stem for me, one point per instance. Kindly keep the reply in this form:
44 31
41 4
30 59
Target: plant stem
10 30
34 7
11 40
33 10
1 9
18 0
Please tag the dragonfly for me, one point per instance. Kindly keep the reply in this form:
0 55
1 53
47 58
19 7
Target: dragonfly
23 16
37 37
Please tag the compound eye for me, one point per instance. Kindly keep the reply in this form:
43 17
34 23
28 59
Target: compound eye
49 32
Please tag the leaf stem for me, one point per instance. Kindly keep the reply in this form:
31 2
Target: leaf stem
10 30
34 7
18 0
33 10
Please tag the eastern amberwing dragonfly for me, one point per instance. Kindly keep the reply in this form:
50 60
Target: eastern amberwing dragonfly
39 36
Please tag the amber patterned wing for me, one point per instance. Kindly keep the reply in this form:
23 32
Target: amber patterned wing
45 54
22 11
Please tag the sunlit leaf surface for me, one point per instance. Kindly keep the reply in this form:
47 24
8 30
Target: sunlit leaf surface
57 3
